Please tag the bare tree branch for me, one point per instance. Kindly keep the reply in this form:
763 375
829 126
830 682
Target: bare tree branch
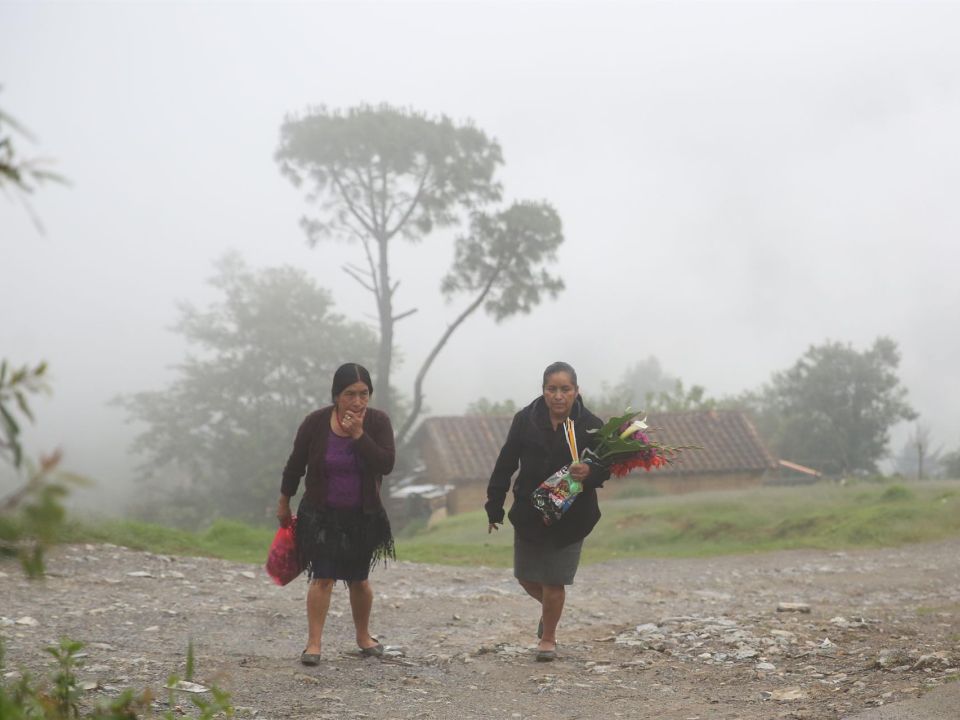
359 278
350 205
418 395
404 314
412 207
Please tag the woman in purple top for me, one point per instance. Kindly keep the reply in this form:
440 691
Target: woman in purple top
342 529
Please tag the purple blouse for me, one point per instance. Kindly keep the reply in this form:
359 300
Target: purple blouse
343 474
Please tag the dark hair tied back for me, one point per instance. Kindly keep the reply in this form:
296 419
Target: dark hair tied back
560 367
348 374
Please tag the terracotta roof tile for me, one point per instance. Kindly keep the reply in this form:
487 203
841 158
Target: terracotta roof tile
729 440
466 447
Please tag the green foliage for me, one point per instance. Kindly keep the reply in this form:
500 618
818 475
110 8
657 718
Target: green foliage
680 399
645 385
486 407
261 359
15 385
191 662
895 493
379 172
950 463
500 263
501 259
917 458
61 698
825 515
227 539
834 408
31 514
21 175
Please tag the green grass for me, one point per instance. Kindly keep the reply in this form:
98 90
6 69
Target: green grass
823 516
225 539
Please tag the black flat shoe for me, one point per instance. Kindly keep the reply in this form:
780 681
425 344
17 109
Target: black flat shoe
546 655
372 651
540 629
309 658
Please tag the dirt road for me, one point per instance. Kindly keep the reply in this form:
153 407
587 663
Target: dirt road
664 639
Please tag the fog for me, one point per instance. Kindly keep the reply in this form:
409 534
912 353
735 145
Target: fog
737 182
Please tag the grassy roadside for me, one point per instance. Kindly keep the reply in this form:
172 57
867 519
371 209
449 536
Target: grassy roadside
821 516
225 539
824 516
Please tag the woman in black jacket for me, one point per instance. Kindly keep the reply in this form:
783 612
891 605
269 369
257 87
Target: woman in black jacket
545 557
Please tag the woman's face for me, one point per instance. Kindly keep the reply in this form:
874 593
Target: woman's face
559 392
353 398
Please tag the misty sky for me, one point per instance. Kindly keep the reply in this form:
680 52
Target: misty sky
737 182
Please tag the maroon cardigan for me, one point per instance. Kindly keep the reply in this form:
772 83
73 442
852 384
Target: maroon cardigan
375 452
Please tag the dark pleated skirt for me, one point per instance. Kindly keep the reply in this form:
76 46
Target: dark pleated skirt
342 544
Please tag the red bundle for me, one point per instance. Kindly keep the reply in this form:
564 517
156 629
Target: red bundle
283 562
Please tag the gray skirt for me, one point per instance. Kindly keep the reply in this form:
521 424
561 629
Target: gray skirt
544 563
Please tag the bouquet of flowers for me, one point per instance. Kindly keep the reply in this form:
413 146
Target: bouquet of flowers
622 446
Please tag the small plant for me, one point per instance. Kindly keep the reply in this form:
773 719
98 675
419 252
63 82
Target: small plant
188 673
895 493
25 699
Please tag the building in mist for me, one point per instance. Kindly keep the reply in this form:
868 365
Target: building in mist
458 453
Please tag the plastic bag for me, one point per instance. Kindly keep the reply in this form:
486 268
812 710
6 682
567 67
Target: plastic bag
283 561
554 496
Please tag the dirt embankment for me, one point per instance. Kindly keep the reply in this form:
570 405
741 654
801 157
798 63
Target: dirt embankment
664 639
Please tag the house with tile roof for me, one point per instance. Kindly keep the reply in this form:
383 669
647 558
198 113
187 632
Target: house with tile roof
460 451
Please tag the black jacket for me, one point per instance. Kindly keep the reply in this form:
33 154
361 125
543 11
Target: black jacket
540 451
375 450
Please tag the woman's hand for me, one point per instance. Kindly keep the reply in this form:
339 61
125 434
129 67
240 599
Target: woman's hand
492 526
284 516
353 423
579 471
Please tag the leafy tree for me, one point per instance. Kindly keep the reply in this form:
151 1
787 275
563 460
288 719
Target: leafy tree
379 173
680 399
918 458
486 407
32 513
262 358
645 386
498 264
950 463
834 408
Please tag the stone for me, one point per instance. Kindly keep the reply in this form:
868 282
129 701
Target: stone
28 621
790 694
892 657
186 686
765 667
140 574
793 607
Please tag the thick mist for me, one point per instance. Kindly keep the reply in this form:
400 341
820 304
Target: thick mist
736 182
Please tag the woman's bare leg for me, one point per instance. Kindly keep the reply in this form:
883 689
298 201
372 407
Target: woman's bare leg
554 597
318 603
361 604
534 589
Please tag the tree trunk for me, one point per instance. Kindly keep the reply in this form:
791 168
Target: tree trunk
385 310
